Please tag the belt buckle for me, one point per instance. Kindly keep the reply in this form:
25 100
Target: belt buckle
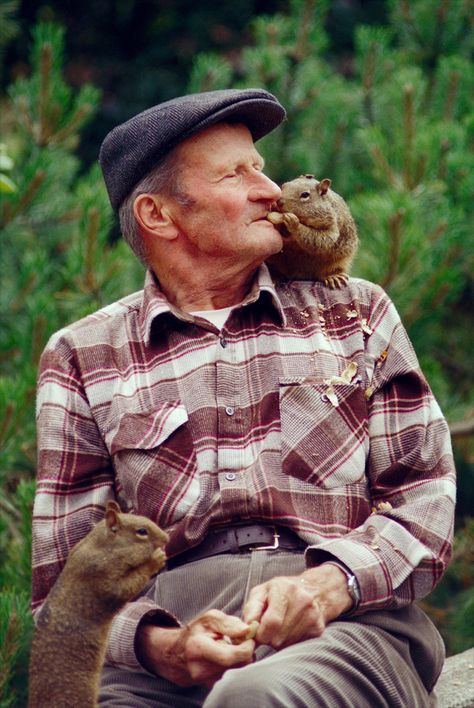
275 545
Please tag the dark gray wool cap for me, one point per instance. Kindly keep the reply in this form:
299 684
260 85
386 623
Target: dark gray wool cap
133 148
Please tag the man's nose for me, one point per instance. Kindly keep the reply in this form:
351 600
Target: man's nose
265 188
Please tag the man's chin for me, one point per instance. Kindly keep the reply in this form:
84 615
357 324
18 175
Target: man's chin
277 243
266 239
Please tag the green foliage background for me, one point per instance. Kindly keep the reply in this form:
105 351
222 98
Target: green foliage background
395 134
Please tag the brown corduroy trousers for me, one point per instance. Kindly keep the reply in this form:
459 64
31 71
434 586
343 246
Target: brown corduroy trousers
380 659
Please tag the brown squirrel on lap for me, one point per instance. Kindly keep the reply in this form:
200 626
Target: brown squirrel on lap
320 235
105 570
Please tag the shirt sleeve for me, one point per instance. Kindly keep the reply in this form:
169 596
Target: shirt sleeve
75 478
401 551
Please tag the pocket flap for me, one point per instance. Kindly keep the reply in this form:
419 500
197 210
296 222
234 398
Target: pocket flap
148 429
304 389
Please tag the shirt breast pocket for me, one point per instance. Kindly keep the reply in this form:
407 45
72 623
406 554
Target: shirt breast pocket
155 461
324 432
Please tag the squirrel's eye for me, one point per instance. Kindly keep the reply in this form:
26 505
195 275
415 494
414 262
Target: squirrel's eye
305 195
141 532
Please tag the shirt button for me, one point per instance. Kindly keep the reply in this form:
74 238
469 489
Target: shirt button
223 341
229 410
230 476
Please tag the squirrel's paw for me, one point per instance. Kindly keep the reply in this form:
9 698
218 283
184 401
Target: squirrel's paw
291 221
158 560
287 219
336 281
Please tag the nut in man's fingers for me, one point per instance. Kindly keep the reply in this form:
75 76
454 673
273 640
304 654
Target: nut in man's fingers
249 634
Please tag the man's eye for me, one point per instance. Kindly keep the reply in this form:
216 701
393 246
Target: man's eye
142 532
305 195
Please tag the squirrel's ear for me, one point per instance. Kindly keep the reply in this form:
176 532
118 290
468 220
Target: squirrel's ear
113 505
324 186
112 510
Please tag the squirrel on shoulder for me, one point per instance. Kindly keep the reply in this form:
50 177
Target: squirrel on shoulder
319 233
105 570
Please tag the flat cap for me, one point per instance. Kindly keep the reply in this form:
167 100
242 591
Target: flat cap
133 148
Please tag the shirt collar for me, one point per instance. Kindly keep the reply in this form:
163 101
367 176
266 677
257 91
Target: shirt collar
154 303
263 283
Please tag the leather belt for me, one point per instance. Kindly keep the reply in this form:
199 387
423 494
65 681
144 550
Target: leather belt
238 539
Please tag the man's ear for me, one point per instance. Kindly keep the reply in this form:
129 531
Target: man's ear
154 216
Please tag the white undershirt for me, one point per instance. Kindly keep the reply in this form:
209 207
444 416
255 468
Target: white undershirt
217 317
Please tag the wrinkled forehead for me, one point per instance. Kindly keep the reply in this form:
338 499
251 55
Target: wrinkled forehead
217 145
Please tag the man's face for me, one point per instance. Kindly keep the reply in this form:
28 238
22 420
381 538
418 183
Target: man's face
228 196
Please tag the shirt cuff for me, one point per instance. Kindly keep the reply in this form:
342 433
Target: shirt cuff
121 643
362 561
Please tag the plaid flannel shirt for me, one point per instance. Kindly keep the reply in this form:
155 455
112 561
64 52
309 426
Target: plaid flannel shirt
308 409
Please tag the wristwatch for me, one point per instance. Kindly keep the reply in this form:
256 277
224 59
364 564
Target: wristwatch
352 585
353 590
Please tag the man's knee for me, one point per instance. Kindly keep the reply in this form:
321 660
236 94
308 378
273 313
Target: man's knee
246 687
343 668
270 684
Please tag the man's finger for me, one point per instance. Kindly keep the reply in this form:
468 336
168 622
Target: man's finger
275 615
250 633
204 648
221 623
256 604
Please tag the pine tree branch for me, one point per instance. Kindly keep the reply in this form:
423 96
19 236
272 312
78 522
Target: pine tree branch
20 298
440 27
412 313
28 195
68 216
451 94
301 47
368 80
395 230
38 339
46 61
382 164
434 53
8 651
91 243
6 213
5 425
409 117
336 145
22 105
409 22
74 124
368 104
420 168
438 231
443 163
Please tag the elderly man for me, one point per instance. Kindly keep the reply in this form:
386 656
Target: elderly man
202 402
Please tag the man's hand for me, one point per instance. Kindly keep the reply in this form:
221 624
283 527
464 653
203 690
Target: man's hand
293 608
197 654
